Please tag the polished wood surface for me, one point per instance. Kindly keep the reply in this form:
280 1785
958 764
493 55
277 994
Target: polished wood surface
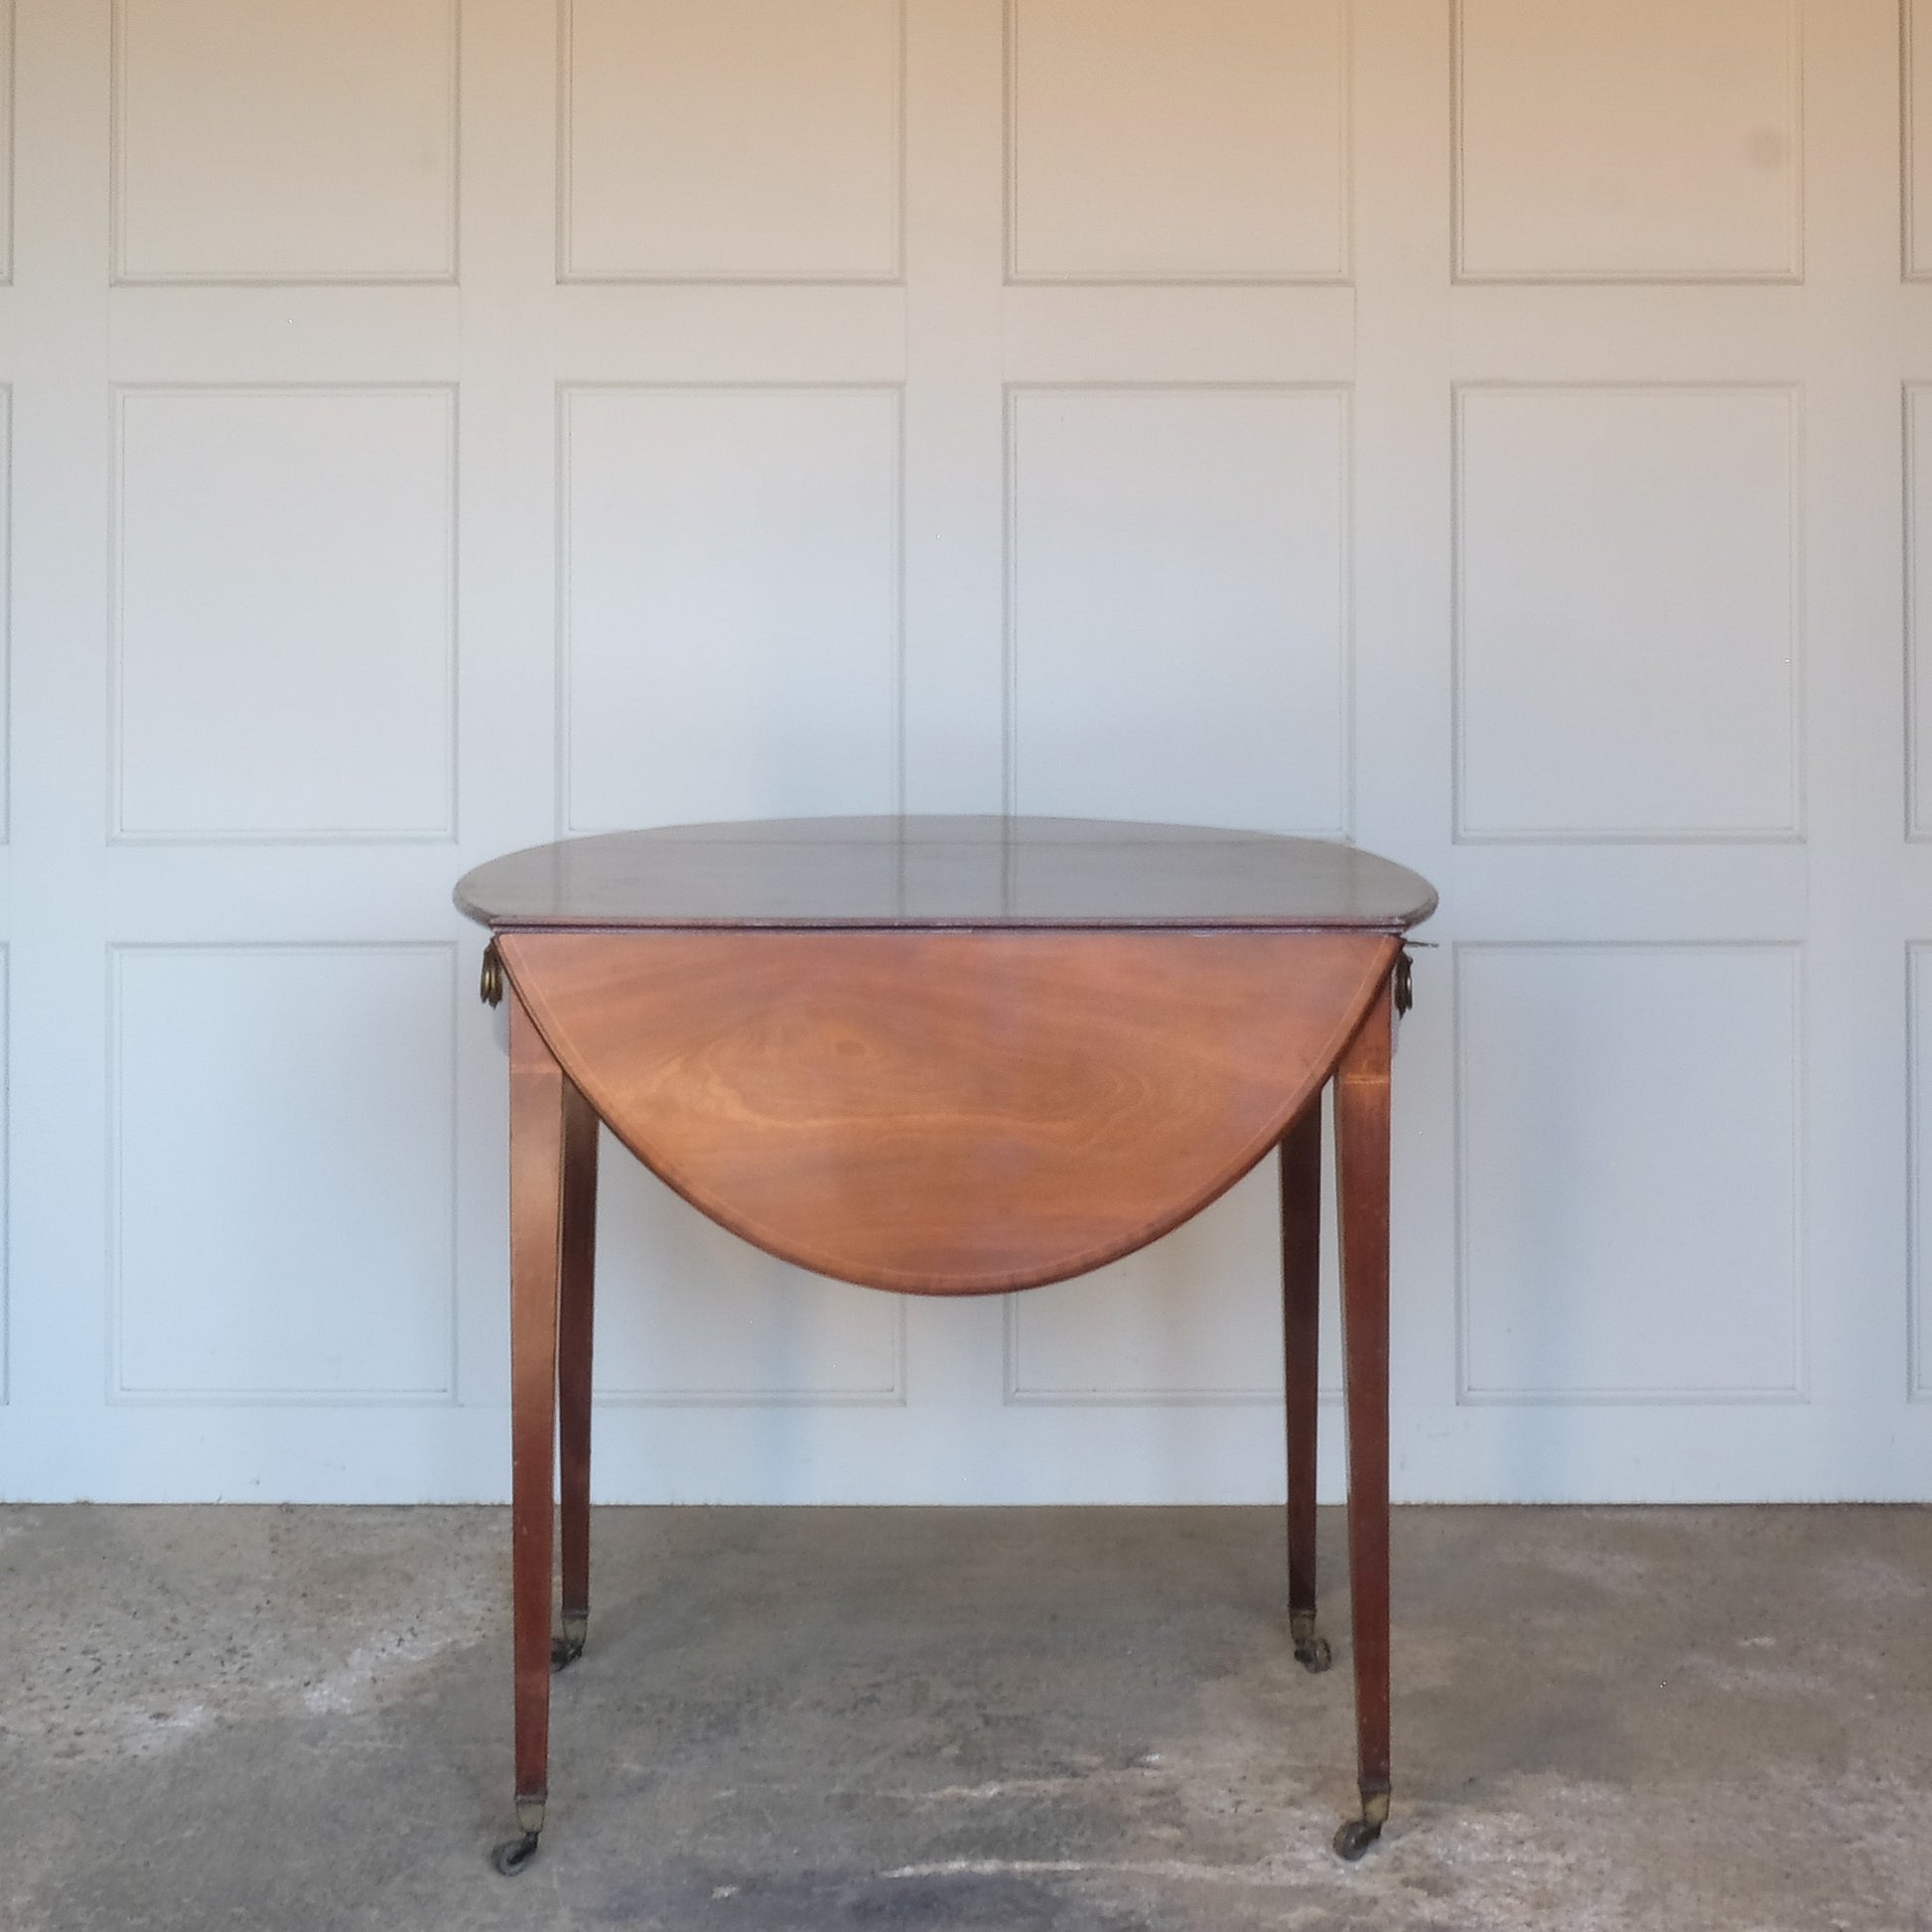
1362 1183
947 1056
1301 1185
944 872
577 1266
536 1234
948 1112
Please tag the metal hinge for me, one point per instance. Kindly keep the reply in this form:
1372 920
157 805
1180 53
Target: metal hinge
490 991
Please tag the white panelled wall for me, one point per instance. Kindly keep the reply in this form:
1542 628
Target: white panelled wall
1495 431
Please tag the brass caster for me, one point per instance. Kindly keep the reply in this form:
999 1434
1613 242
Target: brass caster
1353 1837
1311 1651
514 1853
569 1647
1358 1834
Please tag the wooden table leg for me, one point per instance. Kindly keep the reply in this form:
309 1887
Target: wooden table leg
1362 1155
574 1325
536 1230
1300 1351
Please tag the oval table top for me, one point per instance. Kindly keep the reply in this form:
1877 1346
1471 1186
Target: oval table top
946 872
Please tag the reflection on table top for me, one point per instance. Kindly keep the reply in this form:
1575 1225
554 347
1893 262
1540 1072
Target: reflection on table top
993 871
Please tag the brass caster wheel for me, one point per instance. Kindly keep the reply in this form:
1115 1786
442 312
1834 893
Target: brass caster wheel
1358 1834
514 1853
1311 1651
1355 1837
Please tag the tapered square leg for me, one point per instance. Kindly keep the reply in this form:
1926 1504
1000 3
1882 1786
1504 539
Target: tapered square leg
1362 1157
1301 1174
574 1327
537 1089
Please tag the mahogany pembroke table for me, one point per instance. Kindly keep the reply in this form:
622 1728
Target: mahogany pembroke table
947 1056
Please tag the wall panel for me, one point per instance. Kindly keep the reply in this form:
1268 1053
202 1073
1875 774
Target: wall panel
1629 140
263 143
692 1315
1918 607
284 1129
1630 1161
731 604
1178 637
1627 612
1915 49
284 648
752 140
1177 141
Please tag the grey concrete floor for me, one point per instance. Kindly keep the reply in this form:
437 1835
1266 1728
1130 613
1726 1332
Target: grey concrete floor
1032 1720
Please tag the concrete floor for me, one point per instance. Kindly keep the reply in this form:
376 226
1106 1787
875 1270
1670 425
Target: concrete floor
1031 1721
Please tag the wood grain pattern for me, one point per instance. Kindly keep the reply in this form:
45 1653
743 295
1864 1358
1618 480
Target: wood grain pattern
788 1028
1362 1166
948 1112
536 1233
575 1322
1301 1171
